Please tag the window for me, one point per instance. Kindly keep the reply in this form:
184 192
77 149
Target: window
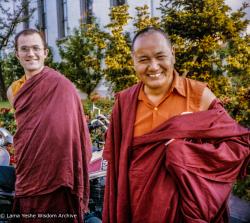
86 11
25 14
62 18
117 2
41 15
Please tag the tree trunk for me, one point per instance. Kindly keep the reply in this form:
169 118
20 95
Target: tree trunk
3 95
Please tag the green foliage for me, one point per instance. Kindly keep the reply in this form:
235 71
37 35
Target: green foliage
7 120
5 104
82 55
49 61
119 66
242 188
237 102
11 68
9 20
210 46
143 19
104 104
238 69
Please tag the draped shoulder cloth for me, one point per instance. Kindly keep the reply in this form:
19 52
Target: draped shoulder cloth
188 180
52 141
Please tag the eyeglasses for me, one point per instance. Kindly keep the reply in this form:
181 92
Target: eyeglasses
26 49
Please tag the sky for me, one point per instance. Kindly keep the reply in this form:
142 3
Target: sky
236 4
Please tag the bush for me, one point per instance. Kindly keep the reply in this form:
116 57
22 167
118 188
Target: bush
7 119
104 104
91 108
242 187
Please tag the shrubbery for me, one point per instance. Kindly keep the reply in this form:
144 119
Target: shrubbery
7 119
104 104
242 187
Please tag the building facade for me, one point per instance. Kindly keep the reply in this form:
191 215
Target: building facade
58 18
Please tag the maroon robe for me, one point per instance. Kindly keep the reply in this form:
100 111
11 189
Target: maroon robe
187 181
52 141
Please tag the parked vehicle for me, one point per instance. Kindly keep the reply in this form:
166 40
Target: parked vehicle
7 176
98 166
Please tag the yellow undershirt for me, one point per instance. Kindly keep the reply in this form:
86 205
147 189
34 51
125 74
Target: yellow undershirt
16 85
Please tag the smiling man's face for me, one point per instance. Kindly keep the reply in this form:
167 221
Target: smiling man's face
154 61
31 53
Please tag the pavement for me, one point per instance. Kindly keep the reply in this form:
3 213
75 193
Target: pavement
239 210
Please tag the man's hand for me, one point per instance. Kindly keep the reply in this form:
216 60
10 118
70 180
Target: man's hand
171 140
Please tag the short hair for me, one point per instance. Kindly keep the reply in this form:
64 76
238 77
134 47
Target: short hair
150 29
27 32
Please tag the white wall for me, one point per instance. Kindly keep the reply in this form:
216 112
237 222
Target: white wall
74 14
101 9
51 26
33 21
156 4
236 4
152 5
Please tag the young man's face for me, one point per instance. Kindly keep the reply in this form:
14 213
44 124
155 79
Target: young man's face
31 53
154 61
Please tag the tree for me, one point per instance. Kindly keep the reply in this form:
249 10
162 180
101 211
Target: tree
9 19
119 66
211 47
143 19
11 69
82 56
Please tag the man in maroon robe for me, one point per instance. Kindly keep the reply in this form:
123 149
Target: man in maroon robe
183 169
52 144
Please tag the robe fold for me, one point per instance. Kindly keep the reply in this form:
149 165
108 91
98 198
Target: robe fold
52 141
188 180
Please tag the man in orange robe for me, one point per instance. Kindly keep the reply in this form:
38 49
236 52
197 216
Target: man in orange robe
173 152
52 144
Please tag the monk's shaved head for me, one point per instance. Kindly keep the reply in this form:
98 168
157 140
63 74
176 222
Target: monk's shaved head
150 30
